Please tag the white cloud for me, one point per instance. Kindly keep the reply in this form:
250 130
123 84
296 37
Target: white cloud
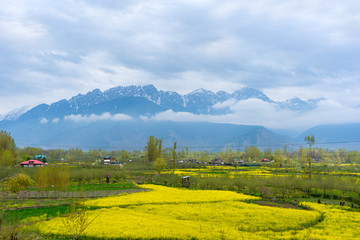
18 30
55 120
189 81
94 117
226 104
257 112
44 121
170 115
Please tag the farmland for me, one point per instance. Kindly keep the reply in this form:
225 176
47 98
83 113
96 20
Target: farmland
222 202
80 198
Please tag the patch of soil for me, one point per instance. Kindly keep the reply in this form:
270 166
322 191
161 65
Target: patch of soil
277 204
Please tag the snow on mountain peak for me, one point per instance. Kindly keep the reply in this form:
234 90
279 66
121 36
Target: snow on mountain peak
120 99
15 114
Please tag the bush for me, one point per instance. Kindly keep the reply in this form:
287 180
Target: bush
18 182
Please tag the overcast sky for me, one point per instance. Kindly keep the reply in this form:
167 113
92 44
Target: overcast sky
50 50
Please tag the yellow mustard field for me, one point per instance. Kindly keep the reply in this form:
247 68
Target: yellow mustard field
161 195
171 213
209 172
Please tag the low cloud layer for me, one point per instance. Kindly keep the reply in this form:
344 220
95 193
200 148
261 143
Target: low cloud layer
89 118
257 112
246 112
95 117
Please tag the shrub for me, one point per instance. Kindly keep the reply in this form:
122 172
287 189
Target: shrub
77 219
18 182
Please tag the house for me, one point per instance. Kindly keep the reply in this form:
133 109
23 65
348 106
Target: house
41 158
32 163
109 160
216 161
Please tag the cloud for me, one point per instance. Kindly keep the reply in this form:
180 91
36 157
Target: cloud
94 117
44 121
55 120
53 50
257 112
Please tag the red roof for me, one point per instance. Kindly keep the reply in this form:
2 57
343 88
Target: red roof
33 162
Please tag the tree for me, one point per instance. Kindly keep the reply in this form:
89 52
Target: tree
174 157
124 155
153 149
310 140
8 151
6 157
255 153
57 177
353 157
204 156
160 164
24 156
278 157
268 154
302 157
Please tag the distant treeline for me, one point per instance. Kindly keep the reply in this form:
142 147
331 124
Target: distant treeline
278 157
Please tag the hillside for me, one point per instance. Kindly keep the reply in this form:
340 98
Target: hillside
335 135
134 134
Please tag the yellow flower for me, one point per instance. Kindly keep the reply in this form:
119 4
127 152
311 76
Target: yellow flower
169 213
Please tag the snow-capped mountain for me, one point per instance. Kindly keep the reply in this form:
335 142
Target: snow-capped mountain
298 105
15 114
124 116
146 100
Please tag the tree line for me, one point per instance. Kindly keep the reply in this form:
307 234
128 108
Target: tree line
11 155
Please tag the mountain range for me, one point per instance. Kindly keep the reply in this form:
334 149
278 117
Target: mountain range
121 118
148 101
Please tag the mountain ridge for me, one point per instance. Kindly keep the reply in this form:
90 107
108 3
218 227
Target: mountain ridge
124 115
200 101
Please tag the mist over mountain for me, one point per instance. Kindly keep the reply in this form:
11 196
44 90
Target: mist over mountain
339 135
125 116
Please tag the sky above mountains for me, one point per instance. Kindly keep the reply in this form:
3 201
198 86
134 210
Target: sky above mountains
50 50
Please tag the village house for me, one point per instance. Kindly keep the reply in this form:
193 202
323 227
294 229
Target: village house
217 161
109 160
32 163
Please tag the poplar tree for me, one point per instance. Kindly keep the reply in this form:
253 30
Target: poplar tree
153 149
310 140
174 157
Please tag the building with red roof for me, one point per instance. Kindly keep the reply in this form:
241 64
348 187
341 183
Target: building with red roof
31 163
